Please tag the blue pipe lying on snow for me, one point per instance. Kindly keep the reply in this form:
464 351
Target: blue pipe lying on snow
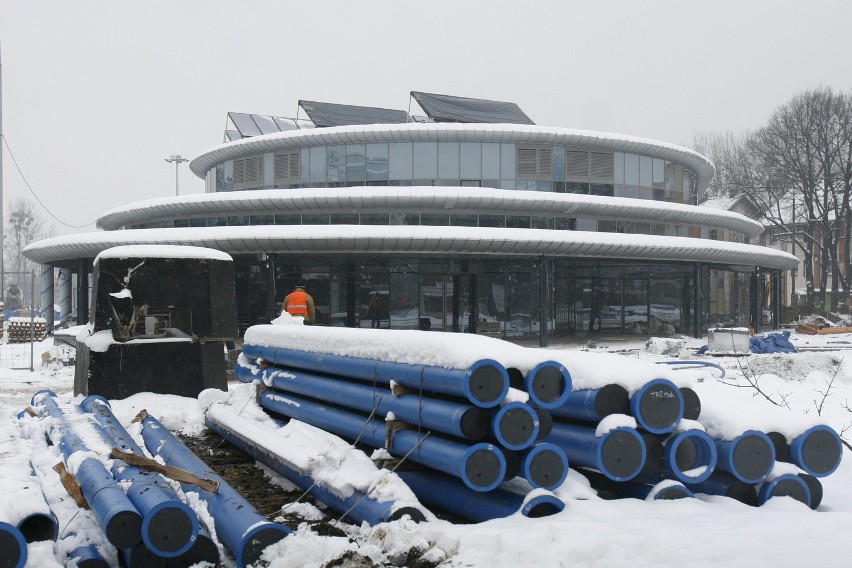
13 547
549 384
456 419
593 405
785 485
657 406
619 454
661 491
169 526
485 383
817 451
39 526
358 507
450 495
87 556
544 465
239 526
481 466
726 485
119 519
749 457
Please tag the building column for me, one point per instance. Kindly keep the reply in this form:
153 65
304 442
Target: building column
83 291
63 278
47 299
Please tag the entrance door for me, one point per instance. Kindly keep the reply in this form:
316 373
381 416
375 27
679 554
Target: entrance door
448 302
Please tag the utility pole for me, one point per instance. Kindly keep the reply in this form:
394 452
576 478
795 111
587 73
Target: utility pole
2 142
176 159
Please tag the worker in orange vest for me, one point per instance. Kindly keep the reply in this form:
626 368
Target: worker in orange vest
300 303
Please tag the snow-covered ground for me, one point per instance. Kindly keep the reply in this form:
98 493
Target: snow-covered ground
811 386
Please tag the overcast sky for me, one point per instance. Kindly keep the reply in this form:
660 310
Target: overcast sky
96 94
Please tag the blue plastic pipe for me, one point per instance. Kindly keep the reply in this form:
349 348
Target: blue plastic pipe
619 454
13 547
87 556
140 556
515 426
593 405
608 489
749 457
726 485
657 406
548 384
544 465
239 526
169 526
461 420
785 485
817 451
689 456
815 488
203 550
39 526
119 519
485 383
481 466
450 495
358 507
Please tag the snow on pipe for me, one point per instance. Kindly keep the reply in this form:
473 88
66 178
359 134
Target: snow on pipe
544 465
485 383
593 405
666 489
716 366
169 526
481 466
619 454
456 419
548 384
119 519
726 485
785 485
817 451
358 507
749 457
87 556
515 426
450 495
238 525
657 406
13 547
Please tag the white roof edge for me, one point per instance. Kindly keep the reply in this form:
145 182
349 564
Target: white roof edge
416 240
398 197
162 251
417 132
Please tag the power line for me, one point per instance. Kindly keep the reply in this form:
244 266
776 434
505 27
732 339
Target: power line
27 183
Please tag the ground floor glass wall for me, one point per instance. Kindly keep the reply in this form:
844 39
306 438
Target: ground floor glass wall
526 299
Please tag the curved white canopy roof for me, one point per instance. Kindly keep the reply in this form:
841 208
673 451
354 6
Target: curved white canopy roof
445 132
411 199
342 239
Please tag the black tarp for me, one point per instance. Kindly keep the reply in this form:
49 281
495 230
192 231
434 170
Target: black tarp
447 108
331 114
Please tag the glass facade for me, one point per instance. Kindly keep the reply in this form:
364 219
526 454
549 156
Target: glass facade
468 164
523 299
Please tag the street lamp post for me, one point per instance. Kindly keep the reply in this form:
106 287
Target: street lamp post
176 159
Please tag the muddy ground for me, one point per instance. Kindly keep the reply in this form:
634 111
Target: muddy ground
241 472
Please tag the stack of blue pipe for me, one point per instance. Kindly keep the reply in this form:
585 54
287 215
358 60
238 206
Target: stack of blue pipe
139 513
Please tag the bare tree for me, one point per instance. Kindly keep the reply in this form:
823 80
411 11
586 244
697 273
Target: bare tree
23 226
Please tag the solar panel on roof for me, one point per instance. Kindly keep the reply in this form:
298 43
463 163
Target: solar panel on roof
244 123
231 135
331 114
447 108
265 123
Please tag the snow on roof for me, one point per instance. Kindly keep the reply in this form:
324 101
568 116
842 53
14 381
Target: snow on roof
424 197
417 239
162 251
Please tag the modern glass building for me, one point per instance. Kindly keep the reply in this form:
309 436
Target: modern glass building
469 220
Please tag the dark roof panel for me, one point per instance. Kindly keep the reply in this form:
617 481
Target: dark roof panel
331 114
447 108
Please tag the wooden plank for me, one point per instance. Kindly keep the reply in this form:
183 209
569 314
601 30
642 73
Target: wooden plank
71 486
829 330
147 464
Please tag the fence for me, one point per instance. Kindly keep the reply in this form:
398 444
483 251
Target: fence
22 324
